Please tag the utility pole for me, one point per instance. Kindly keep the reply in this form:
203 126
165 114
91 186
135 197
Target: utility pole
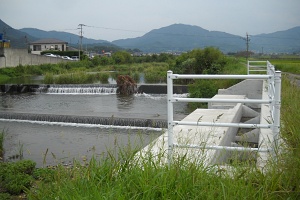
80 48
247 45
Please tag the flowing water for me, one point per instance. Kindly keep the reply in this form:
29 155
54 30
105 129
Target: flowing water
43 134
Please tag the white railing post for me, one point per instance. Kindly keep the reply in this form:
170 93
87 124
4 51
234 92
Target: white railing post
277 105
170 115
271 86
248 66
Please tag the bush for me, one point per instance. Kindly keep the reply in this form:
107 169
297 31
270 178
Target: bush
156 73
15 183
5 196
16 177
202 89
43 174
104 77
208 61
122 57
48 79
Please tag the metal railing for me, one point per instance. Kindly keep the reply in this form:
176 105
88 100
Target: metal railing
257 67
274 92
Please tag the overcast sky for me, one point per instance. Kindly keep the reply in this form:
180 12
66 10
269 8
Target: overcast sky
120 19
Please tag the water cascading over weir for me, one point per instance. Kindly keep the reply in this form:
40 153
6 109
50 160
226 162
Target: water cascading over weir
79 119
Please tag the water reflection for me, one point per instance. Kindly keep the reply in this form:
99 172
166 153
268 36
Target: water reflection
125 102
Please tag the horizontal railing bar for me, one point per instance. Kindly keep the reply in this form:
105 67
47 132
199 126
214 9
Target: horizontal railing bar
221 100
257 61
206 76
238 125
222 147
257 66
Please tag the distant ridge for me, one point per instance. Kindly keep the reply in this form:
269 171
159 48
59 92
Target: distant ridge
65 36
181 37
18 39
176 37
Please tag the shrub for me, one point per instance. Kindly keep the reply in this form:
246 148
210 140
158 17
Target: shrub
198 61
15 183
48 79
15 177
156 73
104 77
5 196
202 89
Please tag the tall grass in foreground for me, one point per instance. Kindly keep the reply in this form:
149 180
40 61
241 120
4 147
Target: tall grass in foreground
1 144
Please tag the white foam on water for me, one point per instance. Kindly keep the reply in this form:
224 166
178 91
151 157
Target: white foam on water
81 125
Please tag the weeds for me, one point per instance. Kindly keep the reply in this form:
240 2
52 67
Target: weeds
16 177
1 145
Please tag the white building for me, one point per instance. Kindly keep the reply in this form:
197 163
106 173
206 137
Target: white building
48 44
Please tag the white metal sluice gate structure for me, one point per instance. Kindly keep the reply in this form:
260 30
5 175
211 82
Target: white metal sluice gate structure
274 100
267 127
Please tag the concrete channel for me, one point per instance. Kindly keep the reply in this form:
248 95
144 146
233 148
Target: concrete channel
242 113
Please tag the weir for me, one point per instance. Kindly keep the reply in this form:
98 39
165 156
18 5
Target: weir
113 121
81 89
38 110
87 88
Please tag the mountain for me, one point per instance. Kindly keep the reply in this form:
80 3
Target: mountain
64 36
18 39
287 41
176 37
72 39
181 37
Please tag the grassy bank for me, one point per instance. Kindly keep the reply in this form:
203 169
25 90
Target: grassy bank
1 145
291 66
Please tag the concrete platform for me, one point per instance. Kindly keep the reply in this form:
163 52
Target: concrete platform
200 135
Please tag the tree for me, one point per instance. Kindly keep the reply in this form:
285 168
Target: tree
198 61
122 57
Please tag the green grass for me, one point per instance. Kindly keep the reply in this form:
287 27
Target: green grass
291 66
1 145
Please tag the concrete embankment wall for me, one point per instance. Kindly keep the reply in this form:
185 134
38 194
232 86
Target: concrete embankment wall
13 57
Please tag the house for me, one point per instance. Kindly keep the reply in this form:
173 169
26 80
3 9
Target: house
48 44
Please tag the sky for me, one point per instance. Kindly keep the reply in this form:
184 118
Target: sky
120 19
